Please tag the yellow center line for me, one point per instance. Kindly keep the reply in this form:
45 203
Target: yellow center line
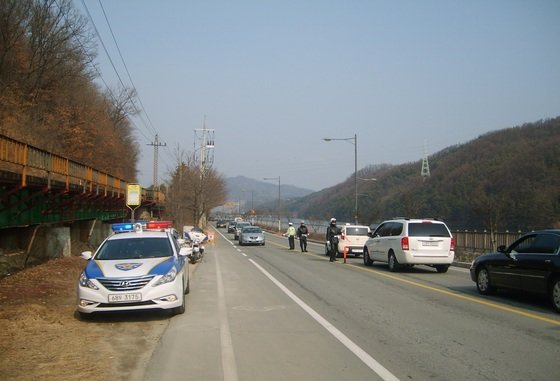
451 293
462 296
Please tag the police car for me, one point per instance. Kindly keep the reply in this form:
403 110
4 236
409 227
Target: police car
140 266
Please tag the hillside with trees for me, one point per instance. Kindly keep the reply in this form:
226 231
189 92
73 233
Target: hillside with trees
49 99
508 179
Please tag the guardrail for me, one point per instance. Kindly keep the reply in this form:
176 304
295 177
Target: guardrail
472 242
26 160
483 241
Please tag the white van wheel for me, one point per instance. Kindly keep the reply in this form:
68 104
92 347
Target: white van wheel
393 263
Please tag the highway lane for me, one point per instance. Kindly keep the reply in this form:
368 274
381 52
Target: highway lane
411 325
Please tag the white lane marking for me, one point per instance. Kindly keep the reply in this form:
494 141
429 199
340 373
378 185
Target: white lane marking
229 365
353 347
243 254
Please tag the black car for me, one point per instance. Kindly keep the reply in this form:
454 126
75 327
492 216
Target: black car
532 264
221 224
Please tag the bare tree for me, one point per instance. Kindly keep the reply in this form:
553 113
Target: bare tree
192 192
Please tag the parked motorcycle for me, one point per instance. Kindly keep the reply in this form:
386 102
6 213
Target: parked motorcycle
197 252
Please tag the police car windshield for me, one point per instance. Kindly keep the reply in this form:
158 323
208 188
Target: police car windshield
136 248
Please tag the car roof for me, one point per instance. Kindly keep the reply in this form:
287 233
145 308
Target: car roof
415 220
550 231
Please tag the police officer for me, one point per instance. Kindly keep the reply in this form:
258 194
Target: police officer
302 235
291 233
332 237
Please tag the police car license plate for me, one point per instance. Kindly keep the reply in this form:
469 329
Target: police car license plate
125 298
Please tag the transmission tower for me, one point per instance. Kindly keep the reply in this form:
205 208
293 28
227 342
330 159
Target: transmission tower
204 147
156 144
425 165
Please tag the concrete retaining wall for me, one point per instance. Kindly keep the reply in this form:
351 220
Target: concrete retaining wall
31 245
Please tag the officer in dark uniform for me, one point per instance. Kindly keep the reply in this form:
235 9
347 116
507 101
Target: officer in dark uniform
332 237
302 235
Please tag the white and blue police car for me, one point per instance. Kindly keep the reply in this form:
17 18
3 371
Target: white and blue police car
140 266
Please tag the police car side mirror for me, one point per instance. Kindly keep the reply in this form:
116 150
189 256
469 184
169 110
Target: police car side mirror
87 255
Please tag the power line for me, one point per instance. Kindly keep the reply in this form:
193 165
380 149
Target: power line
126 68
115 69
142 112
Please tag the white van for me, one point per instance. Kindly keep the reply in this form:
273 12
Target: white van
409 242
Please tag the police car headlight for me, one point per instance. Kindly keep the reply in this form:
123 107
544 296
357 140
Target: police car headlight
169 277
86 282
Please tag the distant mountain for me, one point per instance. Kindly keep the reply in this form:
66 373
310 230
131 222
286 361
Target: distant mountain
507 179
250 193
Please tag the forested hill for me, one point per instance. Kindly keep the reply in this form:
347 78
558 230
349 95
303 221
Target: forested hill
508 179
48 94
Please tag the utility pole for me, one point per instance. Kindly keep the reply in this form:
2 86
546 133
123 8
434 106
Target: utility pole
204 157
204 147
156 144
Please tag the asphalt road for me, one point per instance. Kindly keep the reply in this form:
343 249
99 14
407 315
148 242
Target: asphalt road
267 313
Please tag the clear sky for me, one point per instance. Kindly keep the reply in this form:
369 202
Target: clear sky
273 78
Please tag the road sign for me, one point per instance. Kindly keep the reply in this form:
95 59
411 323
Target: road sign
133 194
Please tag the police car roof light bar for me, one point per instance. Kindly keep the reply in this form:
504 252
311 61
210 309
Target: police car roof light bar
159 225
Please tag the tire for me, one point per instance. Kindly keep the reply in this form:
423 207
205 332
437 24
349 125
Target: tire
442 268
555 294
393 263
181 309
367 260
188 289
483 282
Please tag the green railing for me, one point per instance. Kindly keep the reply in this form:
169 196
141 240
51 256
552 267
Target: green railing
37 186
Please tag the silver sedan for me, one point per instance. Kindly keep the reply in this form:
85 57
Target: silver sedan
251 235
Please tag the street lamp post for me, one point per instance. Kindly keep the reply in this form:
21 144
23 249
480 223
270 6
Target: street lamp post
252 196
276 178
355 142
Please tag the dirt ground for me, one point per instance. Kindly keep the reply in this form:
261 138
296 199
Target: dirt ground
42 337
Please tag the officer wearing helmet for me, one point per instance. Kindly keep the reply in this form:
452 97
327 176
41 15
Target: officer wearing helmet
291 234
302 235
332 238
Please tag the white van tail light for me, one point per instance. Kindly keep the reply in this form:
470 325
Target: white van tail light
404 243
